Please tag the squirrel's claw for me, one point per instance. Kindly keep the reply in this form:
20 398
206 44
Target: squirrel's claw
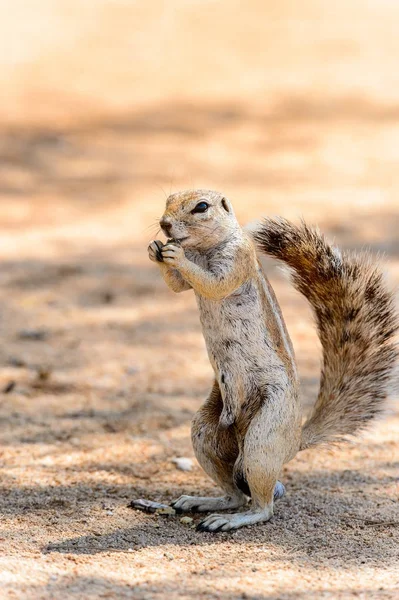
155 251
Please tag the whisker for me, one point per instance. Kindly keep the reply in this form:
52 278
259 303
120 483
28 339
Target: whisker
161 188
152 226
171 184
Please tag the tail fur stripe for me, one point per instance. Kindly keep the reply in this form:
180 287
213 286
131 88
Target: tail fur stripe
356 321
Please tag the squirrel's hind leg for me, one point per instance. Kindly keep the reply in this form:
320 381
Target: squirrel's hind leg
265 450
263 494
216 450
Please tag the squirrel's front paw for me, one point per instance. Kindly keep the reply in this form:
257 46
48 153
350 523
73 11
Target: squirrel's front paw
155 251
173 254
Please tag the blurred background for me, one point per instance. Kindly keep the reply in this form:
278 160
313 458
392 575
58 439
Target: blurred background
107 106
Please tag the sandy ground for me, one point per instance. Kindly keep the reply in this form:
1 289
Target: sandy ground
106 107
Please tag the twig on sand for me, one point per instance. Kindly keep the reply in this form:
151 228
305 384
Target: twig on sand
373 523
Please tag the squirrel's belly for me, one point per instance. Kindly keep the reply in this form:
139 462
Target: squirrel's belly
240 344
237 338
245 332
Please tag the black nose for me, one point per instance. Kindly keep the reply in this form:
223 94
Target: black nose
166 226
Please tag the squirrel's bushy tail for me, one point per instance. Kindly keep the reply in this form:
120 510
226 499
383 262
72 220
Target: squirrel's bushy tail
356 322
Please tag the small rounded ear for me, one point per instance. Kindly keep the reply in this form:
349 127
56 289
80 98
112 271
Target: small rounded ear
225 205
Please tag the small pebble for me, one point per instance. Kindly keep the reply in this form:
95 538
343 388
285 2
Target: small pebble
108 297
183 464
36 335
168 510
132 370
43 373
186 520
9 387
14 361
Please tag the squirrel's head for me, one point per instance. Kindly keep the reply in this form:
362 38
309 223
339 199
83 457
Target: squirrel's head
198 219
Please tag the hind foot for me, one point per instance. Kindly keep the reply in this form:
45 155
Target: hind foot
199 504
215 523
204 504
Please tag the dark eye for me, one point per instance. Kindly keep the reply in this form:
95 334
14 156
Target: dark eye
200 208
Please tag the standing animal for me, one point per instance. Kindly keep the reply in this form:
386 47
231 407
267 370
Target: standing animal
250 425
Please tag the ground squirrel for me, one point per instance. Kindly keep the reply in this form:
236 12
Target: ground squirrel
251 423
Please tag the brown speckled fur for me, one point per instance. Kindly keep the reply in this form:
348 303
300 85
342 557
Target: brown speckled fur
356 322
251 423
